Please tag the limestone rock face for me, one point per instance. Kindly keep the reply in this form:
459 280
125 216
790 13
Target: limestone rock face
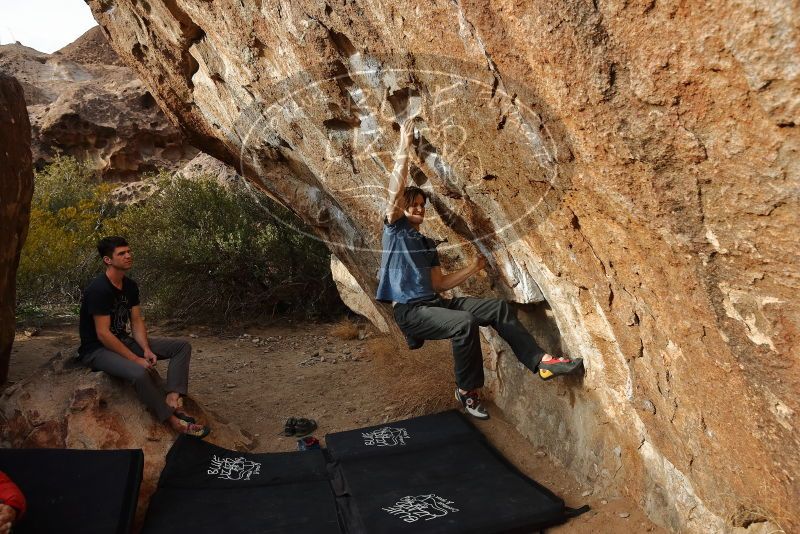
83 101
16 188
354 297
630 169
202 166
68 406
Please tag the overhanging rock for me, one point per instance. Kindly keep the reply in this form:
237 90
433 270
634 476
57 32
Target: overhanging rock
637 162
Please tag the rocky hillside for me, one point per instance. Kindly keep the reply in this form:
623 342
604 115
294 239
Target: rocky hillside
84 102
629 168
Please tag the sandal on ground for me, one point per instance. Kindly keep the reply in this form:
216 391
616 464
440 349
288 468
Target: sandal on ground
194 430
559 366
184 417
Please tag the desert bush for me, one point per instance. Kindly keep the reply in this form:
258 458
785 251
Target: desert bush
201 250
67 213
206 250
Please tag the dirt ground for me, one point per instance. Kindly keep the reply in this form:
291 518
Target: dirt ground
257 377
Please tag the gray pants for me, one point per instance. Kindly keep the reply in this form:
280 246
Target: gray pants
458 319
177 351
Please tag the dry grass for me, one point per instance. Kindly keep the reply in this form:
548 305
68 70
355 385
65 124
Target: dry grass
345 329
744 517
422 380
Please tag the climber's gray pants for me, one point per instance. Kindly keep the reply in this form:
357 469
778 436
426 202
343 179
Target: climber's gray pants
177 351
458 319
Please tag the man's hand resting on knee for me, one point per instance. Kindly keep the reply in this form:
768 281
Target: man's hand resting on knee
143 362
150 357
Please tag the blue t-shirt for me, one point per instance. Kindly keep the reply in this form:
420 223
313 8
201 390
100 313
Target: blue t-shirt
406 263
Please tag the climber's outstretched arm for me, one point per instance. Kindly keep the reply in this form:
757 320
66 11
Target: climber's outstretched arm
399 176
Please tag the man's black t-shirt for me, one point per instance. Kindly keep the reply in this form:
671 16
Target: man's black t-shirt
102 298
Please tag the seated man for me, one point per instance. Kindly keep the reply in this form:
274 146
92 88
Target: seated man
410 278
109 302
12 504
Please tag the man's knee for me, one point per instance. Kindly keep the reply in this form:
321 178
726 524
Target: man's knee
171 347
185 347
501 304
467 323
505 311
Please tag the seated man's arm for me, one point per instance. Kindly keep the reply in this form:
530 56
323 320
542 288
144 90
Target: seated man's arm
102 324
139 333
443 282
399 176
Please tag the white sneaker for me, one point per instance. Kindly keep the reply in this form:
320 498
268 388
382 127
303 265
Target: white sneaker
472 404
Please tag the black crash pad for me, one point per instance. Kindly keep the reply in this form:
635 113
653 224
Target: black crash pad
75 491
434 474
207 489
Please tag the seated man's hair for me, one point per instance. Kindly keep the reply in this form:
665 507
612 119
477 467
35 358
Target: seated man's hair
411 192
107 245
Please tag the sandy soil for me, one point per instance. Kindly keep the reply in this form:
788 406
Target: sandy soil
259 376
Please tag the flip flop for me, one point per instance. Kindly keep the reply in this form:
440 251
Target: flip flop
184 417
195 430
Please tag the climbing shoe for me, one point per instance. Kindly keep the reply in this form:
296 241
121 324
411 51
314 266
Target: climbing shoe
559 366
472 404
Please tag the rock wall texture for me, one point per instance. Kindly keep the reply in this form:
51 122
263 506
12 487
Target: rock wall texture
16 188
65 405
354 296
630 168
84 102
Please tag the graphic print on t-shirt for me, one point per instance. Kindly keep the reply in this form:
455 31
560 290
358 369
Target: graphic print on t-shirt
120 314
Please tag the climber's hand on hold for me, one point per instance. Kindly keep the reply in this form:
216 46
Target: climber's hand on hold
479 263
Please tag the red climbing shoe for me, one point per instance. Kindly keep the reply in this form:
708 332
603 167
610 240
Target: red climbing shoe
559 366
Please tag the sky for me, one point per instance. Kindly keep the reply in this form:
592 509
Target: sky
46 25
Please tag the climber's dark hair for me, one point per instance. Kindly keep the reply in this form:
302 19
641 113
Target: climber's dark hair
108 244
411 192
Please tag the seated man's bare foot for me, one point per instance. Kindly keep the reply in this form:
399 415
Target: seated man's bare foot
174 400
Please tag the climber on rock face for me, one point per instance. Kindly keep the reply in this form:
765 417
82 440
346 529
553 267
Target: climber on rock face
411 278
109 303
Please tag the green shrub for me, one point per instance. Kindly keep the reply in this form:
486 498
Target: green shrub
67 214
201 249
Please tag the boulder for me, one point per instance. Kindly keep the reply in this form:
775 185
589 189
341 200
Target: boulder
66 405
16 188
84 102
202 166
630 170
354 297
205 166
